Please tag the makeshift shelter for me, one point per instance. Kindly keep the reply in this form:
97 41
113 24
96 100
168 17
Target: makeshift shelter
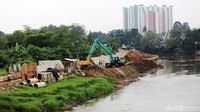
45 64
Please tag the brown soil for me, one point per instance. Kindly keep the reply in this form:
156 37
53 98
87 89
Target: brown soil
136 63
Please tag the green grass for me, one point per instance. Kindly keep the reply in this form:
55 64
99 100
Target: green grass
2 71
54 95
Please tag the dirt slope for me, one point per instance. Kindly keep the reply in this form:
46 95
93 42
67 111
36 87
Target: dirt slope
136 63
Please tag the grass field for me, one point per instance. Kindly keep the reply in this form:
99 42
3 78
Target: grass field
2 70
54 95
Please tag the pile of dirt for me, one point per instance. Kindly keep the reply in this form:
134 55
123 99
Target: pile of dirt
135 55
142 62
136 63
120 76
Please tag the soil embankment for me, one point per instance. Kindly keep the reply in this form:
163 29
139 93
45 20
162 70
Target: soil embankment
136 63
69 91
66 93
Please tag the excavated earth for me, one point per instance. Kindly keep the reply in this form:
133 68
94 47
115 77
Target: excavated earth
136 63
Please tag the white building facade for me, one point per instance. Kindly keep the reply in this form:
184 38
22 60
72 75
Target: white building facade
156 19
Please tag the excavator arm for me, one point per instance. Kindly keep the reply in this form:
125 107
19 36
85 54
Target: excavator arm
96 41
114 61
106 49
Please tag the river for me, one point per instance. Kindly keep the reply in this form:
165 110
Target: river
176 88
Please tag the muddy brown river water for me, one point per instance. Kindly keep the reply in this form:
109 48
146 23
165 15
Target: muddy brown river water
176 88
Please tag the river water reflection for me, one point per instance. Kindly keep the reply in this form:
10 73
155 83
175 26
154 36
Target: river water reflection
176 88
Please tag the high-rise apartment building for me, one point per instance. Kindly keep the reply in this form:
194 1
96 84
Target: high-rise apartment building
156 19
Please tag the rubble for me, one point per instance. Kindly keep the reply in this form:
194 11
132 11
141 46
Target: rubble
15 76
45 64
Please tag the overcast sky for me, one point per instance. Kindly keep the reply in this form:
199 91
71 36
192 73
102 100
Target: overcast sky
96 15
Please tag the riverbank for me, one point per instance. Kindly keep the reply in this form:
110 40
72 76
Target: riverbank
53 96
137 63
176 86
65 94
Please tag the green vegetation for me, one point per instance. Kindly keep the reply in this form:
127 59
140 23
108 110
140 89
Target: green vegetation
53 96
2 71
50 42
180 40
58 42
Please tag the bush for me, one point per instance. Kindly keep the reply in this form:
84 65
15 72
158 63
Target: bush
178 51
7 110
5 105
3 59
51 104
28 107
74 72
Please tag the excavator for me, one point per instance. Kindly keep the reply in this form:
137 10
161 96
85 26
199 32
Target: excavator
87 61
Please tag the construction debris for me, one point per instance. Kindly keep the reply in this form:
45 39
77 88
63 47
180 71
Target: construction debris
44 65
40 84
69 64
51 70
46 77
28 70
32 80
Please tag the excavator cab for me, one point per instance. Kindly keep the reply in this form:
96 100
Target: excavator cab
116 62
84 60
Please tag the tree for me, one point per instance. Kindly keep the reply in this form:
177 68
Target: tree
27 30
17 37
114 44
41 40
176 42
3 58
150 42
3 42
1 33
133 39
19 54
192 41
144 30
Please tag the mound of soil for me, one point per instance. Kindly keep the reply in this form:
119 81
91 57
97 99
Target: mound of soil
136 63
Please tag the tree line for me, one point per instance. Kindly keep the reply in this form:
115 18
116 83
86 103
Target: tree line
180 40
48 42
58 42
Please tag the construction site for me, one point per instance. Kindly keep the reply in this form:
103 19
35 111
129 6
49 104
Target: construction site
61 84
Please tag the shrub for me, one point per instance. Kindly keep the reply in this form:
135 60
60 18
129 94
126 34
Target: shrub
51 104
5 105
28 107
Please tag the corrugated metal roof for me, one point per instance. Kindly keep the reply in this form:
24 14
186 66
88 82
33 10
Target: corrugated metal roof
68 59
